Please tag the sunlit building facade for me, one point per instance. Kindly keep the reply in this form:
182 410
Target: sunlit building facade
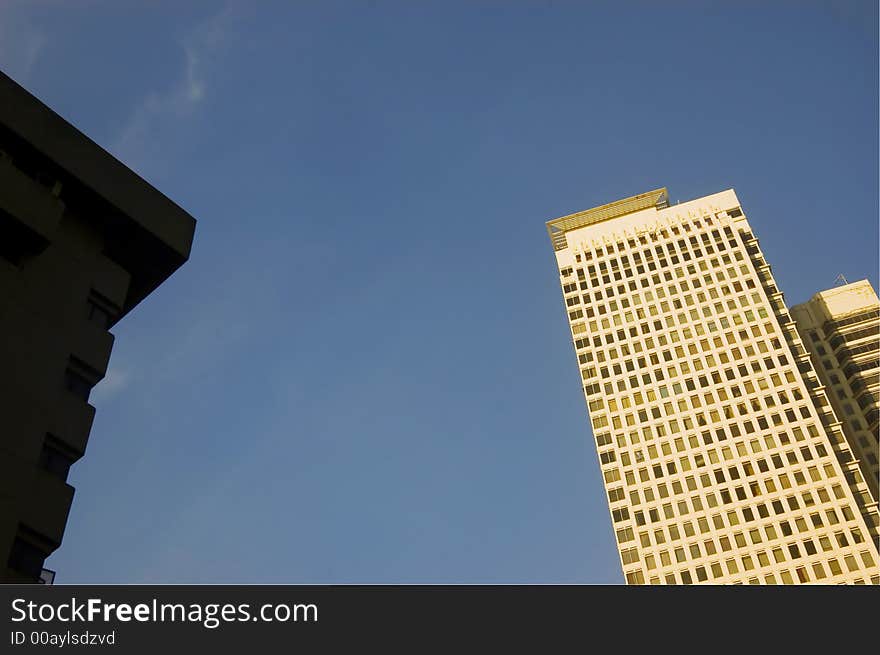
841 329
722 457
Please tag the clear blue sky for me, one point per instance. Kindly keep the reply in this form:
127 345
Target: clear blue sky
364 374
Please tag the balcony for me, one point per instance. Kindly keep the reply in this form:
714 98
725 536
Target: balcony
71 421
93 346
44 509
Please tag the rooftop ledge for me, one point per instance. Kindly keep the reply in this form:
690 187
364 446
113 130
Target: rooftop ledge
558 227
146 233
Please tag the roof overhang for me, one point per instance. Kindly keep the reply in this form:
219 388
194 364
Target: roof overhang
145 232
557 228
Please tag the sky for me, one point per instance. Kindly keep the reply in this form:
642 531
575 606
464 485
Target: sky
364 372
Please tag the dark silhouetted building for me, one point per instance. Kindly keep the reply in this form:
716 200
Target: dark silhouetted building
83 240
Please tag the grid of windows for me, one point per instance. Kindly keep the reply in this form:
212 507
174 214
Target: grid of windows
717 464
845 350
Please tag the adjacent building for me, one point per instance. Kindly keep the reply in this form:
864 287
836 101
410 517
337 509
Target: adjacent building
82 241
723 459
841 329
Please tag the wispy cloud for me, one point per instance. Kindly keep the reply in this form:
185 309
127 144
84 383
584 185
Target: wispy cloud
181 99
115 380
21 42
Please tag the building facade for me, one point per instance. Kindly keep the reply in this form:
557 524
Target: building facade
82 241
841 329
722 457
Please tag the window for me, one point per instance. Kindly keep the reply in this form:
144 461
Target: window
630 556
636 577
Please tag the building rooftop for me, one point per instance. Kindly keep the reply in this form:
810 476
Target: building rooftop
145 232
557 228
838 302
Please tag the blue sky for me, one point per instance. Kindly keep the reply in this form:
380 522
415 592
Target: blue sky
364 373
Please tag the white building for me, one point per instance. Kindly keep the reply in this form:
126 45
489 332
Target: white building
722 458
841 329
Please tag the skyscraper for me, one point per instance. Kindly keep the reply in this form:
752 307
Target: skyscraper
722 457
841 329
82 241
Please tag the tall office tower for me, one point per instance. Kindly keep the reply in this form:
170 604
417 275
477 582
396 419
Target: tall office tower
722 458
841 329
82 241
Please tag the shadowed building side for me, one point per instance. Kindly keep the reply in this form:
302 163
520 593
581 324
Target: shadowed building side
83 239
